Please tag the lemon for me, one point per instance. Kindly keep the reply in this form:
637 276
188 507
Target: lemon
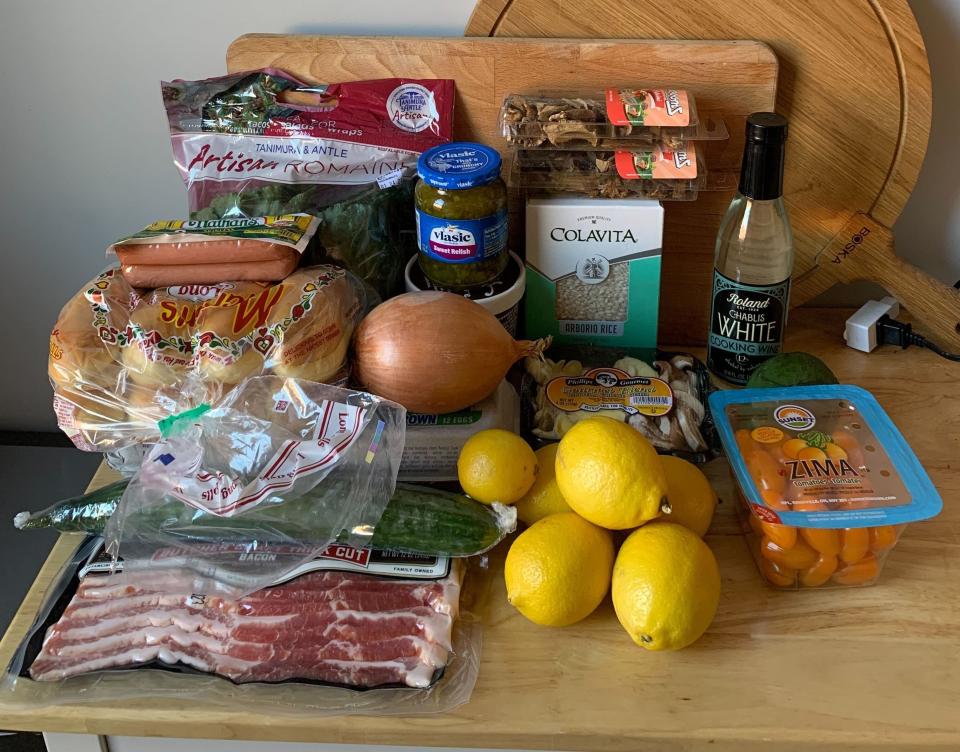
666 586
558 570
496 465
692 498
609 474
544 497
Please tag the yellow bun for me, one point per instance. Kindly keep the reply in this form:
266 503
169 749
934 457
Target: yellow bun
217 365
316 347
88 407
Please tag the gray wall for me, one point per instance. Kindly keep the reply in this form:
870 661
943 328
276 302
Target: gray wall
85 140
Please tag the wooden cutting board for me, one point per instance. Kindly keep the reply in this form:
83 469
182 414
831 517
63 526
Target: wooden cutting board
855 84
729 78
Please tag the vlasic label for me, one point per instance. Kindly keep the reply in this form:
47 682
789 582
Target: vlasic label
461 241
602 389
658 163
669 107
746 326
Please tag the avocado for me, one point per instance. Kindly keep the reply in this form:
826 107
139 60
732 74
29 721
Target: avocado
792 369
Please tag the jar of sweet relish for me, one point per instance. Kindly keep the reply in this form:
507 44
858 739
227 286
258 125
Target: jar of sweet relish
461 205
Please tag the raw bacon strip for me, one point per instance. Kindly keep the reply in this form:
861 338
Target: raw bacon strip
341 628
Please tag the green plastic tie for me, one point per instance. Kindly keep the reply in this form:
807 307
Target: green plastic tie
169 426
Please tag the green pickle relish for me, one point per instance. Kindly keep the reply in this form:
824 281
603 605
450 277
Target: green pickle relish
461 206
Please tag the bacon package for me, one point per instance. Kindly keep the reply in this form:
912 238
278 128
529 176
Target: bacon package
264 143
355 630
122 358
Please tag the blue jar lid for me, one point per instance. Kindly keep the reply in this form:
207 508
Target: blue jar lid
459 165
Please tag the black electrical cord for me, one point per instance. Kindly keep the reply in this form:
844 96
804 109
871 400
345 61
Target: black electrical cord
893 332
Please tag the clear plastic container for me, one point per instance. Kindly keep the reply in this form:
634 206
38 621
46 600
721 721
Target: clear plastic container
826 482
606 120
655 172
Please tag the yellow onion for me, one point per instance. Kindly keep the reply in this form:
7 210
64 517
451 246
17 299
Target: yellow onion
435 352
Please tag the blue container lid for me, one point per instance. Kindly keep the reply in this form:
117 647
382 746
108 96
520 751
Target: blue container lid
459 165
887 481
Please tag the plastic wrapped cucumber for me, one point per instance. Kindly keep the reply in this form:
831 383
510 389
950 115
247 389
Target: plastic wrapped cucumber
417 519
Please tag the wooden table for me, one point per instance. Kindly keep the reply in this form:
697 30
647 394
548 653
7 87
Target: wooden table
841 669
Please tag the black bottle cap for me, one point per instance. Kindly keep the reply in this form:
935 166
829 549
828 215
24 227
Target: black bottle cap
761 173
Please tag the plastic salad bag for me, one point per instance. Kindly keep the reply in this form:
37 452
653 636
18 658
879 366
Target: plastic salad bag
235 497
263 143
175 651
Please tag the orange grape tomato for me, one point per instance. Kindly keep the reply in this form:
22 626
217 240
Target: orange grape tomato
859 572
825 541
766 472
855 544
777 575
792 447
783 535
845 440
776 451
744 441
800 556
811 453
820 572
883 537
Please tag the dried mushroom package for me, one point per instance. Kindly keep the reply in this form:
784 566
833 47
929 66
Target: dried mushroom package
660 171
606 119
664 397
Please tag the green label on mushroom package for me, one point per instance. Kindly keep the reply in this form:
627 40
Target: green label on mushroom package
593 271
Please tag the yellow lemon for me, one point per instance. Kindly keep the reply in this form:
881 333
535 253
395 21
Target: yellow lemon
666 586
558 570
544 497
692 498
609 474
496 465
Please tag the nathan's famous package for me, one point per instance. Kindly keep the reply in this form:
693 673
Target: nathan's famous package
262 143
827 483
123 358
206 252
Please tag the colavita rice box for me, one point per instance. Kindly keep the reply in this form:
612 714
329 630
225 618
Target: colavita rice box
593 271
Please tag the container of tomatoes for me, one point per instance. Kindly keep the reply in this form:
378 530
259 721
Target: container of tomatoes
826 482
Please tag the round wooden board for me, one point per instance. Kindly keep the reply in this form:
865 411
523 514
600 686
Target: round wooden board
854 82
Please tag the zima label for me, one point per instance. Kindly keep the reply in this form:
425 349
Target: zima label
610 389
658 163
746 326
461 241
669 107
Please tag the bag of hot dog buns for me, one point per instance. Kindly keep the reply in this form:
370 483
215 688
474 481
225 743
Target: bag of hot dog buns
123 358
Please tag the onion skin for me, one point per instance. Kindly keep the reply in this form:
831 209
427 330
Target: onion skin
434 352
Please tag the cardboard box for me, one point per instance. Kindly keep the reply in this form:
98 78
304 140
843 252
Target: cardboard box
593 271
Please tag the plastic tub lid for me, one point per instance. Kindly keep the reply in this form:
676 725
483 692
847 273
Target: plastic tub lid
821 457
459 165
497 296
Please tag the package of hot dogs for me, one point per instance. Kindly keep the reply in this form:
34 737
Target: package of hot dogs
207 252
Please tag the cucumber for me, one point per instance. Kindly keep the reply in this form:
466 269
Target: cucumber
87 513
417 520
431 521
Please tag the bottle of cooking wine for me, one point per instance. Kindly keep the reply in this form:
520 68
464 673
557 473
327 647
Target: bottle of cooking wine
754 259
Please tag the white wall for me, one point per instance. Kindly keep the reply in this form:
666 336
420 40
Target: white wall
85 140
